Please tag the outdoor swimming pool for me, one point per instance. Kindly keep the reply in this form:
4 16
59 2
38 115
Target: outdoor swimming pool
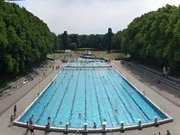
88 63
91 95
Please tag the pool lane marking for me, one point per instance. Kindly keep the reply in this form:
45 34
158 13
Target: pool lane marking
122 102
132 100
105 107
79 105
92 104
110 101
85 98
71 114
62 99
137 104
111 105
56 100
49 100
146 117
107 97
123 105
45 106
127 110
97 98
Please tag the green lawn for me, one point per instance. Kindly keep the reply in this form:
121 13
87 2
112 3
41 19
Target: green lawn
56 55
76 54
111 56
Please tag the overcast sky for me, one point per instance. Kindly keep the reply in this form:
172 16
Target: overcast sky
91 16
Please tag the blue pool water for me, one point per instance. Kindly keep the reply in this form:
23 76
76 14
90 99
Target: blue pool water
97 95
88 63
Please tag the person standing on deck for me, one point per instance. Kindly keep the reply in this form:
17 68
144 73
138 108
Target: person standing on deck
15 110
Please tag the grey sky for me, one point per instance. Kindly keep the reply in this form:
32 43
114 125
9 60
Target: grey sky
91 16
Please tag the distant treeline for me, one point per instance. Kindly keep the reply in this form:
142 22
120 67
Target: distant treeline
154 38
24 39
96 41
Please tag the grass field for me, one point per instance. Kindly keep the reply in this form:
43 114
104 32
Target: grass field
76 54
56 55
111 56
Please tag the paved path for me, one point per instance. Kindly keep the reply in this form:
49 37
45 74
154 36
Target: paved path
17 93
162 102
172 94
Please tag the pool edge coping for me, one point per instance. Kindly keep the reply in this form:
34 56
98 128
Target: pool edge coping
97 130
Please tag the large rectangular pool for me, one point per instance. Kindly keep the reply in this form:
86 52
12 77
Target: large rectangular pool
91 96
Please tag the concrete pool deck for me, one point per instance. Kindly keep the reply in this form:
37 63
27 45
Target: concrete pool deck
169 107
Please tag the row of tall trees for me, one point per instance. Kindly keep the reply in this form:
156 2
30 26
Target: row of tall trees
101 42
24 39
154 38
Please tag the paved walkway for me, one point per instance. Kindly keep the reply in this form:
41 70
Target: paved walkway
172 94
16 94
25 99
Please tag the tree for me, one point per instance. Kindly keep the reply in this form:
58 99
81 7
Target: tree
73 46
74 38
109 40
65 40
154 38
24 39
9 63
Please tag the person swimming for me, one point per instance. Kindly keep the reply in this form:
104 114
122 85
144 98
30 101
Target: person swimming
79 116
116 110
49 120
94 125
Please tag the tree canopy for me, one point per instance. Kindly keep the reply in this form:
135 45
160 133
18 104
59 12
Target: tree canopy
24 39
96 41
154 38
109 40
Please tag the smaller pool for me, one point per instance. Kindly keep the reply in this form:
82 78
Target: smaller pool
88 63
